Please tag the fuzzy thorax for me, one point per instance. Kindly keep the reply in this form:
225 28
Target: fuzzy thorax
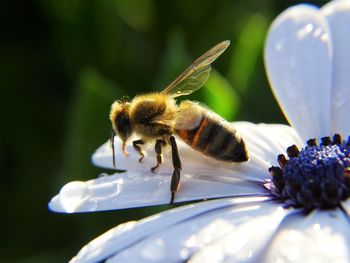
152 116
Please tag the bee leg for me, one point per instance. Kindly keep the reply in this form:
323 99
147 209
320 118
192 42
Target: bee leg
158 150
175 179
112 145
124 150
138 148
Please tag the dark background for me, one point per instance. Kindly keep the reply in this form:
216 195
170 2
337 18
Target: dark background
63 63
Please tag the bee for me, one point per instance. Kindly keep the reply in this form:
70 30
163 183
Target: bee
156 117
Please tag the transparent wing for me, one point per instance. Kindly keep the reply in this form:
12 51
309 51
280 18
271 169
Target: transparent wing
194 77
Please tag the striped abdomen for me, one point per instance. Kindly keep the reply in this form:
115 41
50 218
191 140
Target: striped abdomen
214 137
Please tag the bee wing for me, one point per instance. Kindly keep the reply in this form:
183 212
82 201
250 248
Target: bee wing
194 77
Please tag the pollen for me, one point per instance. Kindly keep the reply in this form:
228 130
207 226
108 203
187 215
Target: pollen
317 176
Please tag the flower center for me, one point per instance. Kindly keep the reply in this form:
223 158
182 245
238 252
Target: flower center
316 176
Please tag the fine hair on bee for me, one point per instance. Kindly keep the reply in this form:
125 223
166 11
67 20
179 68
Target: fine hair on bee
155 117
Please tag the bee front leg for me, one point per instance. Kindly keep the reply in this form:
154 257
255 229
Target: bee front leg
136 146
175 179
158 150
111 140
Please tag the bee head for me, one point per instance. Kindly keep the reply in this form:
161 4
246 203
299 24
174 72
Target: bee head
121 125
119 117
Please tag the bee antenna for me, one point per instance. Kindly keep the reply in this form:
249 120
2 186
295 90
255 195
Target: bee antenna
111 140
124 99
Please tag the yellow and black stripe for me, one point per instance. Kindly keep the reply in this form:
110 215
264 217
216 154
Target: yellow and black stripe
216 138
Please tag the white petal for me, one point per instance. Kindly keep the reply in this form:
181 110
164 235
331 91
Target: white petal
127 235
346 206
268 140
251 230
191 159
298 57
322 236
193 162
264 142
230 232
128 190
338 16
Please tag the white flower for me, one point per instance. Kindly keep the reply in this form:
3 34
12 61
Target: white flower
308 66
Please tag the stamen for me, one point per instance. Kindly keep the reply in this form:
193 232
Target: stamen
336 139
292 151
316 176
277 177
325 141
282 161
347 179
311 142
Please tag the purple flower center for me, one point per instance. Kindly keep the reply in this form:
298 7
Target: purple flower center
316 176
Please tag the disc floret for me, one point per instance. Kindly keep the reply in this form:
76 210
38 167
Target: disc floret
318 176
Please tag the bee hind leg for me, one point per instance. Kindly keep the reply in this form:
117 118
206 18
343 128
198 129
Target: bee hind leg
136 146
158 150
175 179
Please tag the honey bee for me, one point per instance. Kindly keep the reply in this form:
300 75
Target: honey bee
156 117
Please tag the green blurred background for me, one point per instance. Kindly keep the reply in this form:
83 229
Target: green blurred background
62 65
